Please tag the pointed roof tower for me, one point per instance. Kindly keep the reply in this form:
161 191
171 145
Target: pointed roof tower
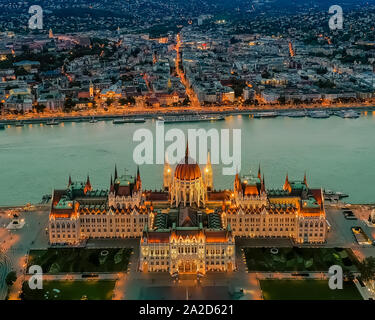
187 152
287 186
263 185
259 174
88 186
305 180
237 182
116 172
70 181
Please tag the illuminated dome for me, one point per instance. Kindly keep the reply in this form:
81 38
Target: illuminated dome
187 169
187 187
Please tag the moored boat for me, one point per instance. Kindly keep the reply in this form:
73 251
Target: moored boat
347 114
296 114
137 120
259 115
329 195
192 118
119 121
52 122
319 114
128 120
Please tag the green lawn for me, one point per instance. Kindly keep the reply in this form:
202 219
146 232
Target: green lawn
307 290
71 290
80 260
298 259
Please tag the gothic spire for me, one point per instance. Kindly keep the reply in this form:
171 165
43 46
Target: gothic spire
115 172
138 174
287 184
259 174
187 152
88 185
88 180
263 185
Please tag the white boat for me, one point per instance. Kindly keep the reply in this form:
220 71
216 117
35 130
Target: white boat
259 115
119 121
193 118
52 122
93 120
137 120
129 120
329 194
320 114
296 114
347 114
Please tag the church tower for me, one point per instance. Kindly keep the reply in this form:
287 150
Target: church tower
50 34
208 180
91 90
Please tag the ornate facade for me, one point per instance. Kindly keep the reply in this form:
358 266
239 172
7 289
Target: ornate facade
294 212
79 213
188 187
188 226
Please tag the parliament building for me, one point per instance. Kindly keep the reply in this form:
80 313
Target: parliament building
187 226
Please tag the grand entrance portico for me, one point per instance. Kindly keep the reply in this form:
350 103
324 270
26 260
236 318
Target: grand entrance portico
186 266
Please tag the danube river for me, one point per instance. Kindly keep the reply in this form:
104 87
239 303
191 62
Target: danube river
337 154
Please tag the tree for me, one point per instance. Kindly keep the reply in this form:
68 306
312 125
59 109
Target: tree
367 269
122 101
265 74
186 101
349 276
69 104
109 101
11 278
281 100
40 107
321 71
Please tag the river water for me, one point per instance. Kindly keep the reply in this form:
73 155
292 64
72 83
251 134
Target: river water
337 154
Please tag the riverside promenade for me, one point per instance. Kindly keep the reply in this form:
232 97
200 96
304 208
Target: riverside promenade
151 113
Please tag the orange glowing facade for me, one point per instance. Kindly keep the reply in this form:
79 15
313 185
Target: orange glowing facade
188 226
295 212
